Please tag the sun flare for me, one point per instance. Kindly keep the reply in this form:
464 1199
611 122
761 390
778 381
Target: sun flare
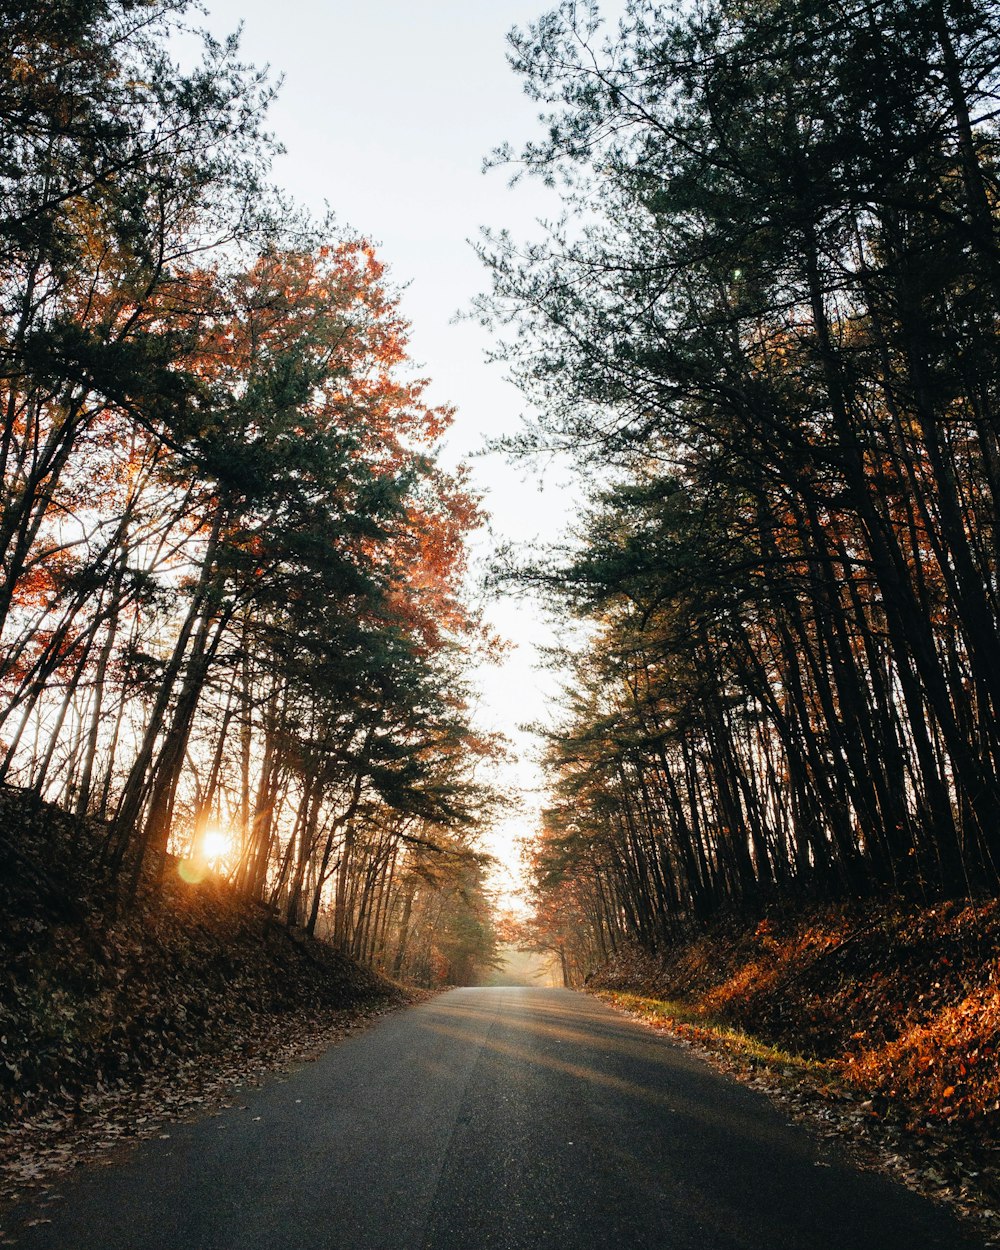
214 844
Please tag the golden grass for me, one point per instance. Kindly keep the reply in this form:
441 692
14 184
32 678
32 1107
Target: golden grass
696 1025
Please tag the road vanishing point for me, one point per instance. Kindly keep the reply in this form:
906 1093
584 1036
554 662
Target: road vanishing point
509 1118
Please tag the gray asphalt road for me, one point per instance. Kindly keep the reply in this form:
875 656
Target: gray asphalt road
506 1118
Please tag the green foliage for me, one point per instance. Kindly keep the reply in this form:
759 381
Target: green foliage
765 332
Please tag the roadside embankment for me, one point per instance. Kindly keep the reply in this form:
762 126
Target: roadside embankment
114 1019
881 1021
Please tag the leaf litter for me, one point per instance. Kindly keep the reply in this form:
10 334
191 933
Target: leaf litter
876 1025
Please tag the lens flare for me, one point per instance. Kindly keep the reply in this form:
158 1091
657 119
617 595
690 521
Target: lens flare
211 848
191 871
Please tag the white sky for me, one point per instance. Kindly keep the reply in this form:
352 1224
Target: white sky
387 110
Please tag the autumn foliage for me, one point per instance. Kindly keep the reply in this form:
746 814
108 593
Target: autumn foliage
899 1003
233 627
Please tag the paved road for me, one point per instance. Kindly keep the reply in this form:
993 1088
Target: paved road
514 1119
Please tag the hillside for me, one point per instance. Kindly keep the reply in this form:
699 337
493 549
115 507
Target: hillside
101 1009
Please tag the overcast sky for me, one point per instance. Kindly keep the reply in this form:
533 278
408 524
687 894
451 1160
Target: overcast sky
387 110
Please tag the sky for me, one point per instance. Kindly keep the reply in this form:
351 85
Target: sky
387 110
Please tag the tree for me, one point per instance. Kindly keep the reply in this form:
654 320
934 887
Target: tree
231 565
768 325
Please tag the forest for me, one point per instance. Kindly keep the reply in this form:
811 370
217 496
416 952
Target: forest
251 795
765 330
234 599
233 587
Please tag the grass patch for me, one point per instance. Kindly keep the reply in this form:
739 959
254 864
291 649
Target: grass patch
693 1024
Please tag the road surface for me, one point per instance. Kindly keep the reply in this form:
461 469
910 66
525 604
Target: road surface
514 1119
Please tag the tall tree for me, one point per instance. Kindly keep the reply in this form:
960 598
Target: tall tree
768 320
